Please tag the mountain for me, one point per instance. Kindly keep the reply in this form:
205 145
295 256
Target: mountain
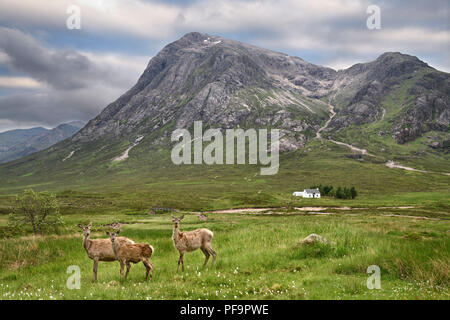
227 83
423 96
395 108
223 83
19 143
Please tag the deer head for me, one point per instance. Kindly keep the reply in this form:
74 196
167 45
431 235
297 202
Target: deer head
86 229
113 235
176 221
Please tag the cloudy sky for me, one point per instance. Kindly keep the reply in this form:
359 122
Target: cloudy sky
50 74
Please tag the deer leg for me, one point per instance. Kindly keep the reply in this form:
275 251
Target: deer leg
151 270
128 269
214 254
149 267
122 266
94 271
182 262
179 262
206 253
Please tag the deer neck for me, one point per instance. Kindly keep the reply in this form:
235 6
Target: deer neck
114 246
175 233
86 243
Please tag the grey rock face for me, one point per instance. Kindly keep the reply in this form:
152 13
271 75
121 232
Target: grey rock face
229 84
429 110
225 84
361 88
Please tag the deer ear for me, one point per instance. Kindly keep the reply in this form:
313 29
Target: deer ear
181 218
107 233
80 226
118 231
90 224
173 218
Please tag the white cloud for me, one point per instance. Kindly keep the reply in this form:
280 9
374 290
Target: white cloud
238 15
127 68
132 17
20 82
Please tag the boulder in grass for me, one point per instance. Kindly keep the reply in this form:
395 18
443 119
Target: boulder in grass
315 238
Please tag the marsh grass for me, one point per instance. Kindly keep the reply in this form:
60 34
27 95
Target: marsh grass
258 258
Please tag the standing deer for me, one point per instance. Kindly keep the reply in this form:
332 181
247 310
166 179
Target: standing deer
192 240
135 253
99 249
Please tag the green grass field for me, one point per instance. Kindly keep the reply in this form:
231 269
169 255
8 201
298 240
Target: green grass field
258 257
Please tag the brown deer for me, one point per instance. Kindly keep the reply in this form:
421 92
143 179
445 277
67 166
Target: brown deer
99 249
192 240
135 253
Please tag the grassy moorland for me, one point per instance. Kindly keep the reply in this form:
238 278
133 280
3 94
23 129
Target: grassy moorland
258 258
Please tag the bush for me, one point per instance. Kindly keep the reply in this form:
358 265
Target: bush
353 192
324 190
340 192
40 211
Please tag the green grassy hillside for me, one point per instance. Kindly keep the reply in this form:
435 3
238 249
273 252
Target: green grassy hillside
153 180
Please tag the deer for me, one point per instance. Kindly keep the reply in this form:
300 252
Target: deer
128 253
192 240
99 249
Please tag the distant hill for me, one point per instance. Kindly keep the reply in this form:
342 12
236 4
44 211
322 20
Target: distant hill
15 144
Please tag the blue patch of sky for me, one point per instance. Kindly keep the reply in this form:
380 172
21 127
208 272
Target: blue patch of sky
5 72
10 91
99 42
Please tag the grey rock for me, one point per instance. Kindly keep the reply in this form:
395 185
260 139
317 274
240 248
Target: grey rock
315 238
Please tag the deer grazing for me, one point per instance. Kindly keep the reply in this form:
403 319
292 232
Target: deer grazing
99 249
191 241
135 253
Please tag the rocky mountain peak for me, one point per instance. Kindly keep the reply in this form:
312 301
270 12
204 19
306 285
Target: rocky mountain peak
220 81
398 57
227 83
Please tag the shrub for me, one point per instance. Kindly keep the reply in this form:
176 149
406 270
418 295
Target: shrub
40 211
340 192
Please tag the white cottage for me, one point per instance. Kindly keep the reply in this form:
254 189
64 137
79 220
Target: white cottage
307 193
